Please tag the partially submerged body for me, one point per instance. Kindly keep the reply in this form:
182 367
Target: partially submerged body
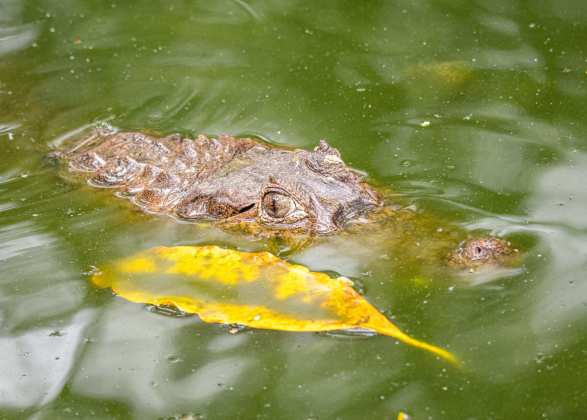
254 186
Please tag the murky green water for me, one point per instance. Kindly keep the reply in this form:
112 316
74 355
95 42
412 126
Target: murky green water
473 111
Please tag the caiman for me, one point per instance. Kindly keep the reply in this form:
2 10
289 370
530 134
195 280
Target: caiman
244 182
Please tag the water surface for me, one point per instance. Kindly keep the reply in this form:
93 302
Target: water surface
472 111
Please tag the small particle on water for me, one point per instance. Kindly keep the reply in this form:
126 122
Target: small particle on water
451 288
56 333
360 89
445 388
406 163
425 123
52 29
186 416
93 271
173 359
539 358
25 175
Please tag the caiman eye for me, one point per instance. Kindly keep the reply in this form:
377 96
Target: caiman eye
277 205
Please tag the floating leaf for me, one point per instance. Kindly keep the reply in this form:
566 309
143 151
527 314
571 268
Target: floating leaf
258 290
402 415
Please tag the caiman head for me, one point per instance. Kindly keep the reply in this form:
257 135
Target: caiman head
278 189
234 181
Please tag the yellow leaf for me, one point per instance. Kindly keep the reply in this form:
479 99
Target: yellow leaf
402 415
258 290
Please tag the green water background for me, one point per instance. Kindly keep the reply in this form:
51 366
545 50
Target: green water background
472 110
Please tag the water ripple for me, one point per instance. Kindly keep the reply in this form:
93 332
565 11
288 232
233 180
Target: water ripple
17 38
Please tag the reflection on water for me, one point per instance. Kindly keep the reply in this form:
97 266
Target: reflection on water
471 111
40 362
14 34
557 210
155 379
41 318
